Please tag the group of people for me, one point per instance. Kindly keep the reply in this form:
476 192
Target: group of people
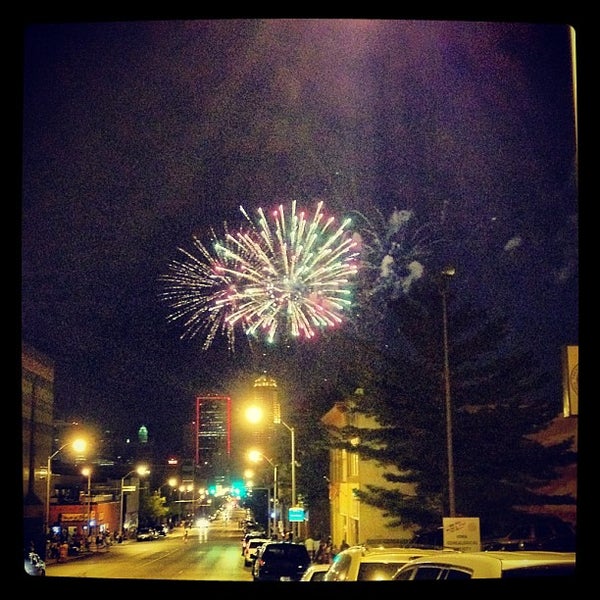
59 546
322 551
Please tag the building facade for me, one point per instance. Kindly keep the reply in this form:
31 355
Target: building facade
359 523
265 397
213 436
37 402
353 521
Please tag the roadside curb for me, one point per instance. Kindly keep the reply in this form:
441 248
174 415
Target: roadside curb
84 554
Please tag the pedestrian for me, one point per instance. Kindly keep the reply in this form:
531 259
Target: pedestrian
322 555
63 552
309 543
185 536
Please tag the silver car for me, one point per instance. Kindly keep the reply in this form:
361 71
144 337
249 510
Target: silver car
501 564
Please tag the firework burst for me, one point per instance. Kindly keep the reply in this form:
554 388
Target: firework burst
285 277
198 289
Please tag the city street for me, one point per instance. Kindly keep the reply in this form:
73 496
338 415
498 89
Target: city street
169 558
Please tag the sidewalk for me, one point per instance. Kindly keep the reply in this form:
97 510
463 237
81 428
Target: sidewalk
93 551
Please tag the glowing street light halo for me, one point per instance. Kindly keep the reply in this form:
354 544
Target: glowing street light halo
254 414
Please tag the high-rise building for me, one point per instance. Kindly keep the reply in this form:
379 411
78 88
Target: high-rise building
213 435
37 401
265 396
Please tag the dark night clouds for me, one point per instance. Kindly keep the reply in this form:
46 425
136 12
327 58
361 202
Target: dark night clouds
138 134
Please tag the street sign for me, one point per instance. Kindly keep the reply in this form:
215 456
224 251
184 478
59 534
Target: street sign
129 488
296 514
462 533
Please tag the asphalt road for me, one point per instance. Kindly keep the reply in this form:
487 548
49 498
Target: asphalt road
164 561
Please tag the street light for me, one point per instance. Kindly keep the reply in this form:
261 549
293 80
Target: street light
141 470
255 456
447 273
79 446
277 420
87 472
254 414
293 457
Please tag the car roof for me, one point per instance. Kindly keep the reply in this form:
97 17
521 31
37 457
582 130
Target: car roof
493 563
257 541
254 534
377 554
271 543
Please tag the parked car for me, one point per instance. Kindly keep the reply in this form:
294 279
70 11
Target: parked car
146 534
280 561
488 565
315 572
428 538
358 563
542 533
251 547
248 536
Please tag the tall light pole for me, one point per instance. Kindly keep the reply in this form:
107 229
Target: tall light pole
254 414
78 445
277 420
142 470
87 471
255 456
172 484
447 273
293 457
181 489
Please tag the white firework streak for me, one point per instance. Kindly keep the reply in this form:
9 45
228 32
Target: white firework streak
199 290
291 277
299 278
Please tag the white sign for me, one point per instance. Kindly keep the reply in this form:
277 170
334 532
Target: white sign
462 533
129 488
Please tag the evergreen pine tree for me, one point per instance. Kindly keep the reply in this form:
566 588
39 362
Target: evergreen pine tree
498 400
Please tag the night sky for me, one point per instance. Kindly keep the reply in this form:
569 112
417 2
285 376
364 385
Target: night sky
138 135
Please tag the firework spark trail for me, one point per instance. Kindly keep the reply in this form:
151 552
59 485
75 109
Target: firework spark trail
305 286
199 290
290 277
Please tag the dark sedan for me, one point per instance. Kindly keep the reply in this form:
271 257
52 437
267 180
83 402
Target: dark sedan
280 561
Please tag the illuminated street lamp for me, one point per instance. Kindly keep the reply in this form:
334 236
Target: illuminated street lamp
141 471
79 445
447 273
255 456
87 472
180 501
173 481
254 414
